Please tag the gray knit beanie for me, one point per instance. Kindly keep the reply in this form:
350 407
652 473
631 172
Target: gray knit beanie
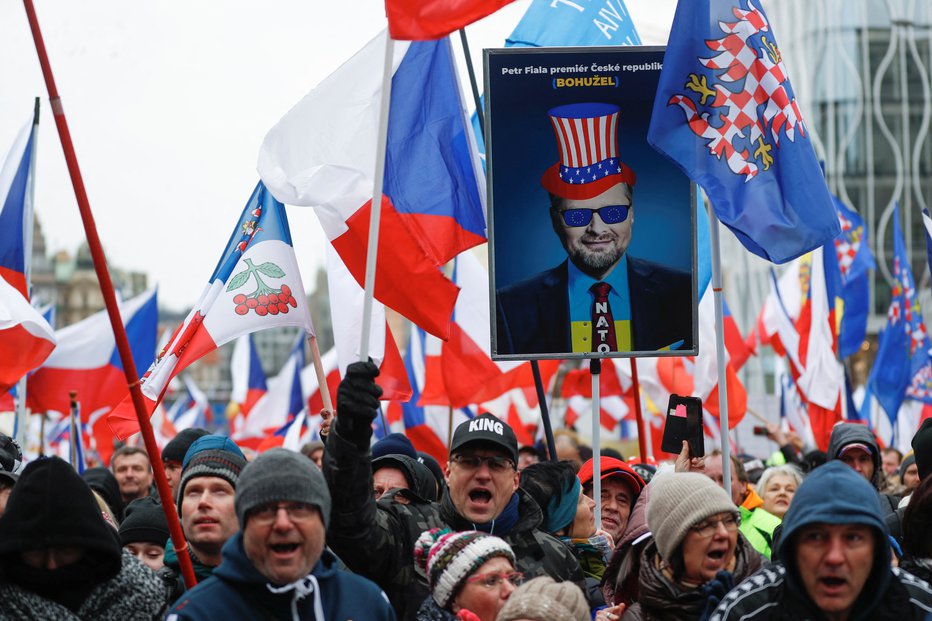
280 475
543 599
680 500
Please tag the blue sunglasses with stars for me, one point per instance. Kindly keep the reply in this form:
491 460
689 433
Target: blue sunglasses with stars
610 214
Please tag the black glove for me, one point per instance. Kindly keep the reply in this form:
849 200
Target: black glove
715 591
358 403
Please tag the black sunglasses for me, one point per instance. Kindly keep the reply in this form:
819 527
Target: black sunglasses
610 214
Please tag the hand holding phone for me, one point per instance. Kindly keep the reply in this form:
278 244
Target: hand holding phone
689 427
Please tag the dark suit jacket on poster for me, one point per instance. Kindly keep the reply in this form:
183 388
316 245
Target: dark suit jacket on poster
533 315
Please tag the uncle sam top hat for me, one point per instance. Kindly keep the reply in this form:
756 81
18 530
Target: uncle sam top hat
587 137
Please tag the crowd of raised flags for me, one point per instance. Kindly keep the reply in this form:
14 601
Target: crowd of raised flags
321 154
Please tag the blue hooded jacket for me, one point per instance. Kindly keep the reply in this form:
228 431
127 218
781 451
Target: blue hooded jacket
832 494
835 494
237 590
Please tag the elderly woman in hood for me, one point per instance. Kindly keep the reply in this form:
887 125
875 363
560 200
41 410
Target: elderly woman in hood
696 550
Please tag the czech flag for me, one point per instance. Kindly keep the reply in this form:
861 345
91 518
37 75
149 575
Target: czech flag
322 153
86 361
16 209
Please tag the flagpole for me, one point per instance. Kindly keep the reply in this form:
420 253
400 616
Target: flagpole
638 415
472 81
113 310
595 368
544 410
75 429
21 416
375 208
319 371
720 349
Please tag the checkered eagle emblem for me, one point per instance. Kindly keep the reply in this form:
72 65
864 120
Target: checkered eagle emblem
742 102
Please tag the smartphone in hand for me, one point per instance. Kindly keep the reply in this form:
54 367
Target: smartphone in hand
689 427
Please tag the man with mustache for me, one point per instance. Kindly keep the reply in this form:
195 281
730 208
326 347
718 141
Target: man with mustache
600 299
834 558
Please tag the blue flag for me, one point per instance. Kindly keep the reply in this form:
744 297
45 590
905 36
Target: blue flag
855 260
726 114
574 23
902 368
927 224
567 23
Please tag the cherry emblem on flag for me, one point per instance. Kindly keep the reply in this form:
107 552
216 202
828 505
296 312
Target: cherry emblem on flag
264 300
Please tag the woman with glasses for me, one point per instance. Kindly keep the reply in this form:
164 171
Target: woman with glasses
470 574
697 552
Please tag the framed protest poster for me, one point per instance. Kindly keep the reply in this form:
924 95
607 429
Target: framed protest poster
592 233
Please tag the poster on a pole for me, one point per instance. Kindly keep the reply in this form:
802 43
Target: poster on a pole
592 233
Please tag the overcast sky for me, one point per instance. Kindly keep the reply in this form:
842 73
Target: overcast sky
168 103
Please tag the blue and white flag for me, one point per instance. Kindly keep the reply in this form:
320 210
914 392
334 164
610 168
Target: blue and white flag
574 23
726 114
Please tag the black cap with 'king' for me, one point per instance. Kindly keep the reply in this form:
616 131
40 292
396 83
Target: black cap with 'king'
488 429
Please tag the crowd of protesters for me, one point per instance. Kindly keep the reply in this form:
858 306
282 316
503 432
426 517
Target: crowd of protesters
348 529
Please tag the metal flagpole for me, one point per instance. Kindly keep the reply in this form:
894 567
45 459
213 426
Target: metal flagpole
375 209
544 411
720 349
595 368
20 419
472 81
113 310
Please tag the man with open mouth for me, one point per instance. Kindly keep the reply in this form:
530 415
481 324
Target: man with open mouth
376 538
277 566
834 557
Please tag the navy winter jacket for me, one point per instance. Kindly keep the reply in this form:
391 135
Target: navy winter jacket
236 590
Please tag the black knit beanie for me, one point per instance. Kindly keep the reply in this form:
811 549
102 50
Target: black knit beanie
102 481
178 446
144 523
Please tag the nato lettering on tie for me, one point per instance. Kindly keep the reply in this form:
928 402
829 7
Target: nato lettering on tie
603 324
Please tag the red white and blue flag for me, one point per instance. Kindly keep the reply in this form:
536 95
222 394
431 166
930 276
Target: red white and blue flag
247 379
191 409
726 114
86 361
322 153
283 401
16 208
255 286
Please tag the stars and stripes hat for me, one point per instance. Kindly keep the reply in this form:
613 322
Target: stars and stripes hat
587 139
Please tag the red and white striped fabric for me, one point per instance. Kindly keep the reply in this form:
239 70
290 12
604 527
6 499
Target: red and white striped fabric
586 141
